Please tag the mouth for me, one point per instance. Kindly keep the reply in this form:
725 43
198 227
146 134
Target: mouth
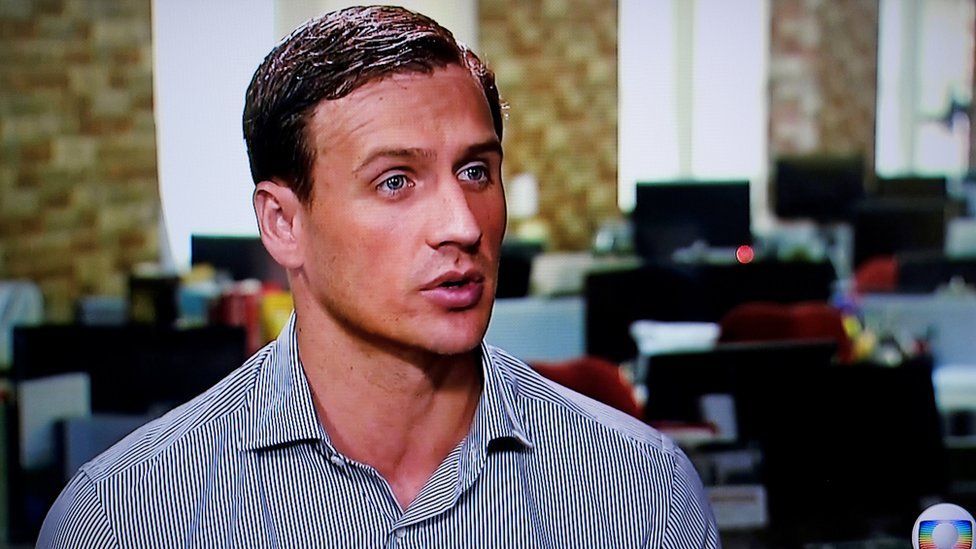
456 290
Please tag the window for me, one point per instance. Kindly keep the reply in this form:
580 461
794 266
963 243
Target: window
692 93
925 60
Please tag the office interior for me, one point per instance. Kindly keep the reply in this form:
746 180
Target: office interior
751 224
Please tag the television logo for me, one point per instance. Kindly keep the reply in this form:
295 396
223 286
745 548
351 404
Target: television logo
943 526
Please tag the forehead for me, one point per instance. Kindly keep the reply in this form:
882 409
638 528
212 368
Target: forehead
404 109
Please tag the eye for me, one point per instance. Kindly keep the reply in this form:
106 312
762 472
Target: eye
394 185
477 173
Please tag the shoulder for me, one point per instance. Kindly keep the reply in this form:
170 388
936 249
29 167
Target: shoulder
564 408
195 421
77 519
607 446
85 513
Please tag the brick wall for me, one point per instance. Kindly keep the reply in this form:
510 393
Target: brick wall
556 63
823 77
78 189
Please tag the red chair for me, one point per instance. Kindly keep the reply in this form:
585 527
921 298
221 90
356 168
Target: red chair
764 321
878 274
596 378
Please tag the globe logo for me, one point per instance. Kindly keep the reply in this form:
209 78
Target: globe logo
943 526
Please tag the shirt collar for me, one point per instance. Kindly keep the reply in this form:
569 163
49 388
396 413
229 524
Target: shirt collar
497 416
281 409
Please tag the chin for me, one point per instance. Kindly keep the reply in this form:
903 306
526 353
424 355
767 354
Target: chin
456 336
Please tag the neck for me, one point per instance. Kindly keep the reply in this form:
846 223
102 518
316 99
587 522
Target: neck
398 410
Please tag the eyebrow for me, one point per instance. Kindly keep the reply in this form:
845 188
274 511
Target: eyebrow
392 153
489 146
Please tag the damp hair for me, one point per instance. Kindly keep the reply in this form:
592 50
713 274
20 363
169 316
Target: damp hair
328 58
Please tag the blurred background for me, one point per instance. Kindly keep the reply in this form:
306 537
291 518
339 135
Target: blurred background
747 222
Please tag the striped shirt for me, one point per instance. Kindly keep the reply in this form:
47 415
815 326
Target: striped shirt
248 464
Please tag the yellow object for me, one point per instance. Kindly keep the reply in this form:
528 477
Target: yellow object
276 306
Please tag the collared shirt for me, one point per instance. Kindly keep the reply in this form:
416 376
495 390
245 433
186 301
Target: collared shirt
248 464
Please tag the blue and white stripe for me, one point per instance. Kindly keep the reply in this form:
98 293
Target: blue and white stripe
247 464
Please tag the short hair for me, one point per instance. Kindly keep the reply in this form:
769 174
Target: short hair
328 58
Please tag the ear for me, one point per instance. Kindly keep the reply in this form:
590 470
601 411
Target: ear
279 214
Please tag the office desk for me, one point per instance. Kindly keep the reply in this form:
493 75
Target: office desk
950 320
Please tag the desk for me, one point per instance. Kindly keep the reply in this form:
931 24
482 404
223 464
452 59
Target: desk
950 322
949 319
538 328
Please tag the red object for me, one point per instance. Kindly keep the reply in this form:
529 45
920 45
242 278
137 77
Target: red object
596 378
744 254
765 321
240 305
878 274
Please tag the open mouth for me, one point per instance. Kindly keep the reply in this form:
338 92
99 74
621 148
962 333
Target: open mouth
456 290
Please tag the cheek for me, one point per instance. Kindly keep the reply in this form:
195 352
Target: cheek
378 253
492 214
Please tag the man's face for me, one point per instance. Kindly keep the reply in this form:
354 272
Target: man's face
402 236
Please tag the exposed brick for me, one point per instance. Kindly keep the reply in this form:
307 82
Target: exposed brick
78 56
45 78
15 29
78 191
127 56
133 239
16 9
74 152
56 207
91 267
49 7
87 78
103 126
36 152
111 102
85 245
62 29
555 62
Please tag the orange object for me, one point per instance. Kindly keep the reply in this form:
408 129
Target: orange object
878 274
766 321
596 378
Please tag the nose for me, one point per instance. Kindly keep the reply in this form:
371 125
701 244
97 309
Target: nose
453 221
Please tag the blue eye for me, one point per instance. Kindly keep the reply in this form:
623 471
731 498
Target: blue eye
474 172
394 185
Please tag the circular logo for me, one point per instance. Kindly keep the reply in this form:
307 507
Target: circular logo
943 526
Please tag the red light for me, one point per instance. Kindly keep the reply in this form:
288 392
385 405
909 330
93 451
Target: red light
744 254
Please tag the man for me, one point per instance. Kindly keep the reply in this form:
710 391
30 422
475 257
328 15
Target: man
378 418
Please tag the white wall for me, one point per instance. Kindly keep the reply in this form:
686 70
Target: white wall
925 58
692 89
205 53
460 16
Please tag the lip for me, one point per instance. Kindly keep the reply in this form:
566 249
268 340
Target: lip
462 296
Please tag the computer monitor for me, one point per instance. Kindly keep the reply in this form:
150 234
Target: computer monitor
912 185
851 451
924 273
242 257
888 226
670 215
748 371
819 187
148 367
847 450
515 268
689 293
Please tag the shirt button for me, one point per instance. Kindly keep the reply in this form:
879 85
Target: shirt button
400 533
337 461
